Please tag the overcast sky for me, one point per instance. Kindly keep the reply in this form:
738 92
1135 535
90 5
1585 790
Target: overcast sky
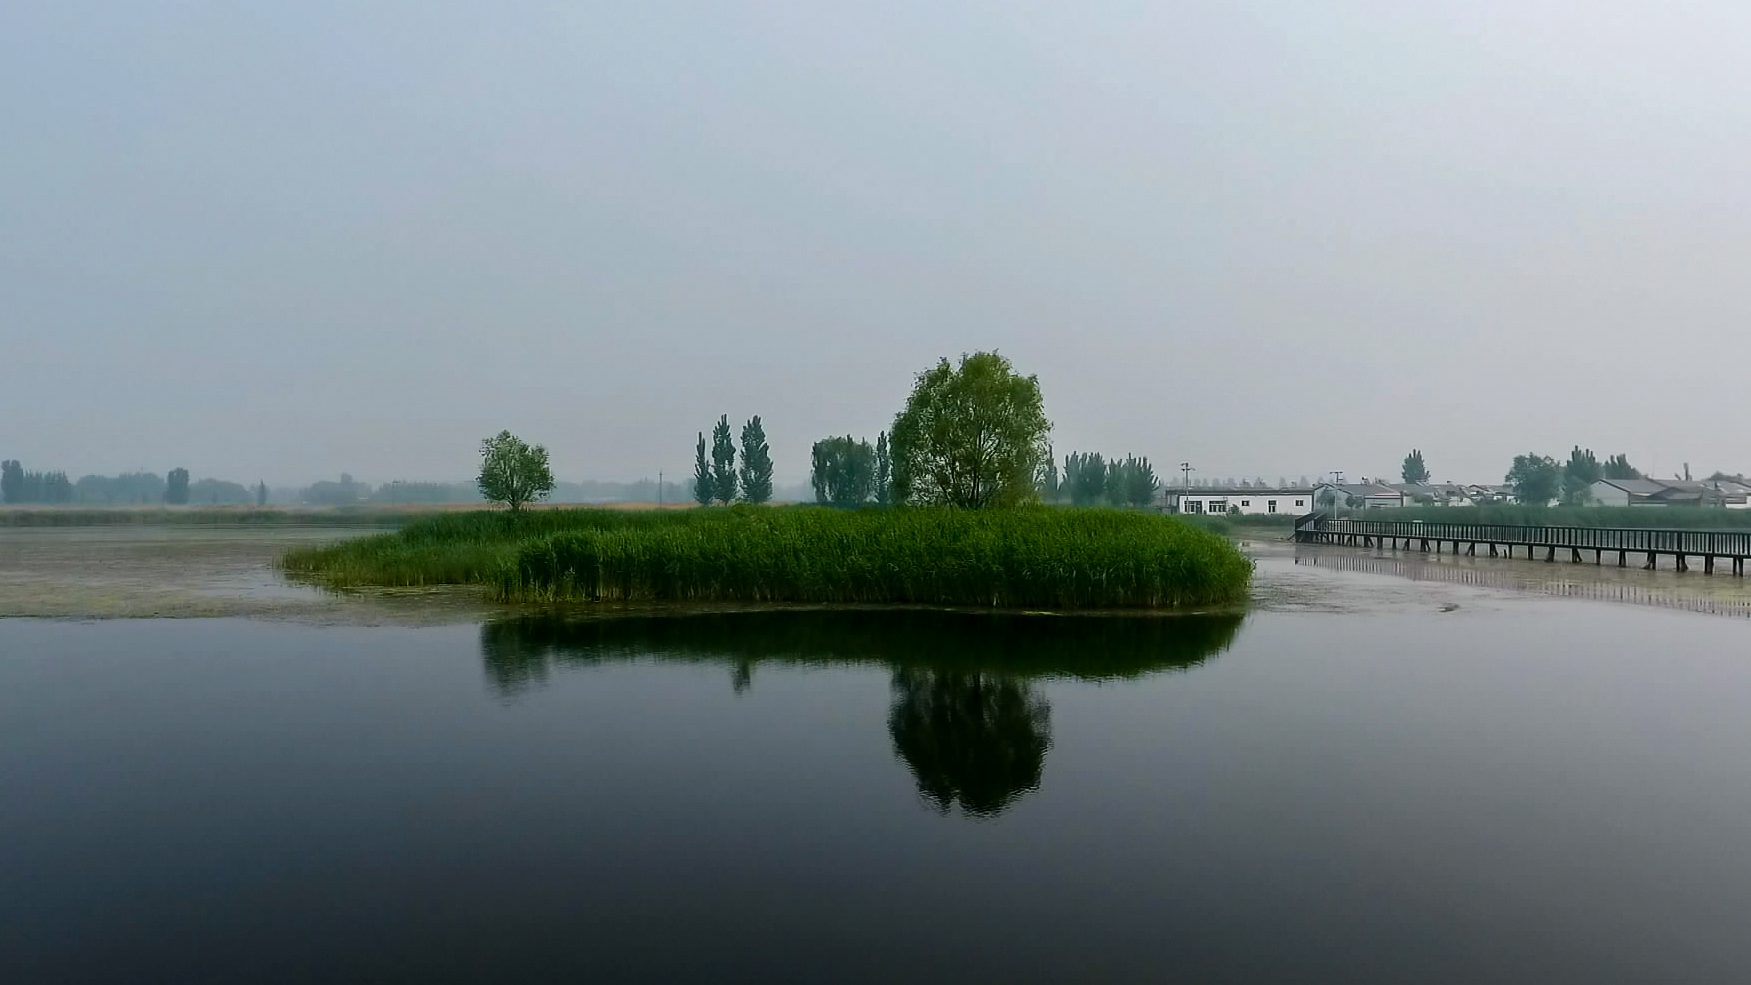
280 240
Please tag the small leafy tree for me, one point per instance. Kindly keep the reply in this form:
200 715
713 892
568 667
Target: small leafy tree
176 487
723 462
1536 479
1414 470
971 435
1579 474
513 472
884 471
703 488
756 472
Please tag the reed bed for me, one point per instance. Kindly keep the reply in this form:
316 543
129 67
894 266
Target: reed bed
1010 559
450 548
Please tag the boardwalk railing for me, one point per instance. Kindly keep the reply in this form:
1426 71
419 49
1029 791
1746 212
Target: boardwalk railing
1318 528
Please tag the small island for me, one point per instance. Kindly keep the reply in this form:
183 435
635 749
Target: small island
957 523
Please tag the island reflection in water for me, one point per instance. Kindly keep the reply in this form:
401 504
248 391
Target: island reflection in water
967 718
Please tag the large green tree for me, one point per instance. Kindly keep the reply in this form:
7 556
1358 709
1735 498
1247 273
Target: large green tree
1414 469
12 481
844 471
1536 479
756 471
971 435
723 461
1579 473
512 471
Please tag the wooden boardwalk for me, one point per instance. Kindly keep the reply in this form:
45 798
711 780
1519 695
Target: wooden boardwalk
1561 581
1646 544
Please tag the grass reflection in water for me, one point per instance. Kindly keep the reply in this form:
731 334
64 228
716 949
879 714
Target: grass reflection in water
966 717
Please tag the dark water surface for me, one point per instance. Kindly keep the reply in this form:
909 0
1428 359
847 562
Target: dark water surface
1553 792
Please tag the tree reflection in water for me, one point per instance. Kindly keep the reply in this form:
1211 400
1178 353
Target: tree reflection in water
965 718
975 739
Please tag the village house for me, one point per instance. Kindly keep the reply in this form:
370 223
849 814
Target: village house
1729 493
1360 495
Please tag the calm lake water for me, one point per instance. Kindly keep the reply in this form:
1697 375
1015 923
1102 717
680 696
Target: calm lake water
1388 770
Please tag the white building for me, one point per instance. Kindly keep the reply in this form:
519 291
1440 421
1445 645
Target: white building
1247 500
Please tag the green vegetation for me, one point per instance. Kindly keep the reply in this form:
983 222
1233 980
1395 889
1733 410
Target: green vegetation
756 470
1414 468
1618 467
1579 474
1033 558
723 462
18 486
513 472
843 471
1091 480
1536 478
703 488
884 471
1050 559
971 436
176 487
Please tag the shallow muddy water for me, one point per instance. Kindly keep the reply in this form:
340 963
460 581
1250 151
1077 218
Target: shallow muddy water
1388 769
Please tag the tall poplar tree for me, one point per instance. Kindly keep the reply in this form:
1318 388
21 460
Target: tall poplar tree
723 461
884 471
756 471
703 487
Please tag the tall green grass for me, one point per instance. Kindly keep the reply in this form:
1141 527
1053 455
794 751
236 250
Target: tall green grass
1031 558
459 548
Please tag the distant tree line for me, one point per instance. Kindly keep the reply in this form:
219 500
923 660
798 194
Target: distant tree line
1090 479
19 486
1538 479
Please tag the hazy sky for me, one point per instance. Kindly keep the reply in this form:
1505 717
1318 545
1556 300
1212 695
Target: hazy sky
282 239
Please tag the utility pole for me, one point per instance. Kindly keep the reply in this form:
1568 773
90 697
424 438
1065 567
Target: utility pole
659 487
1186 467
